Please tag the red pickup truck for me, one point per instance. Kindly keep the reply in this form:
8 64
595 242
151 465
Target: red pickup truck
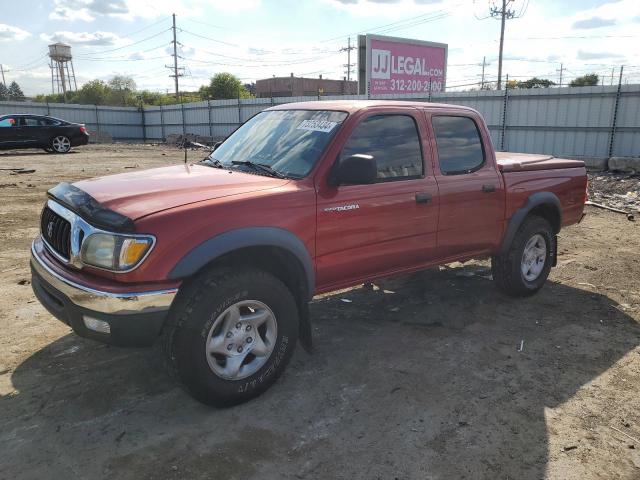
220 258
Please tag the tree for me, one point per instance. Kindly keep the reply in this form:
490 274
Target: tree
4 92
535 82
15 92
122 88
224 85
95 92
122 82
587 80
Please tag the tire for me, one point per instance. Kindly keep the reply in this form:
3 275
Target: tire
206 313
60 144
521 275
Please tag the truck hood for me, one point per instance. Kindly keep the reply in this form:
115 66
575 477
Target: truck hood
141 193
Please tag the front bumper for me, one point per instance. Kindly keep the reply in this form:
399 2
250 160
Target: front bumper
135 319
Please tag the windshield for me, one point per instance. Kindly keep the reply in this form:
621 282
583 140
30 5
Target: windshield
287 141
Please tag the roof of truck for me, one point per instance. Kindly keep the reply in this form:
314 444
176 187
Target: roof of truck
351 106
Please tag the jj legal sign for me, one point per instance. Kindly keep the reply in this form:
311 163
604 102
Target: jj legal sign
401 66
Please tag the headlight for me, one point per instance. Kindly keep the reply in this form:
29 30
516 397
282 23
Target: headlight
115 252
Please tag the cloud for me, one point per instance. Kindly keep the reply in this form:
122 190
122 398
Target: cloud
83 38
593 22
12 34
87 10
584 55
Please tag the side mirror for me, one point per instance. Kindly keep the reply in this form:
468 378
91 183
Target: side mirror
358 169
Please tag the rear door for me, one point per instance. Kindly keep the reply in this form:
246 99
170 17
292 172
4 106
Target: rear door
369 230
10 131
472 198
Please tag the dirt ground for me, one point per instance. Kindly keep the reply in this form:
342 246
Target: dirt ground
430 376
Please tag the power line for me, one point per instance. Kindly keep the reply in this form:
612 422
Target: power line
419 18
294 62
124 46
206 38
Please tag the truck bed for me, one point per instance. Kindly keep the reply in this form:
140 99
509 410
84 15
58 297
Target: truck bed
518 162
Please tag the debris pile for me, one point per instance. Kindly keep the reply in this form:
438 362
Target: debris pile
190 140
615 190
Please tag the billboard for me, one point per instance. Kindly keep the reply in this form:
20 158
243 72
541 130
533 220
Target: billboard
389 65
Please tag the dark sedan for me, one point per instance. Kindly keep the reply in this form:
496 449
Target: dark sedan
38 131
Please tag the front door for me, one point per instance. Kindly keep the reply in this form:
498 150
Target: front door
369 230
10 132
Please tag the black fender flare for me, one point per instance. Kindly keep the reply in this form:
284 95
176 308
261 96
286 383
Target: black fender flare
535 200
227 242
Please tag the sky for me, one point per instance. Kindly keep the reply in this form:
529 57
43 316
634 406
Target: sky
256 39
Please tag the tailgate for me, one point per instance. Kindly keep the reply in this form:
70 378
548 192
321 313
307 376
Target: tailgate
519 162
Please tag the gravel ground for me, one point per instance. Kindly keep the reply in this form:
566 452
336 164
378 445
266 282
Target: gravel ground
434 375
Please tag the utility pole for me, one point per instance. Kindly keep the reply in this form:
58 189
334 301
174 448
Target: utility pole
612 71
2 71
504 14
175 60
561 70
349 64
484 59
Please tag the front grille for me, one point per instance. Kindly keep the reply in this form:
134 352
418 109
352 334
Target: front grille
56 231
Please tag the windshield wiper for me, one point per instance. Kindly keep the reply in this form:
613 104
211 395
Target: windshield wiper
259 166
212 162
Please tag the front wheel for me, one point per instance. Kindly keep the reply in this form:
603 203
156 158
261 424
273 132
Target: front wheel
60 144
231 335
524 268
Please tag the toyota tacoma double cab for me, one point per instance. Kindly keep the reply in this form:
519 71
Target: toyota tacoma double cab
218 259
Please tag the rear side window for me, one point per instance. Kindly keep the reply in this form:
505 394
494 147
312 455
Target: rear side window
459 144
393 141
46 122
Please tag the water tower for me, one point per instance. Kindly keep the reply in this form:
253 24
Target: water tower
61 79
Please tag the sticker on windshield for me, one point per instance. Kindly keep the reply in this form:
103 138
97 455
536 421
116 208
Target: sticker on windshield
317 125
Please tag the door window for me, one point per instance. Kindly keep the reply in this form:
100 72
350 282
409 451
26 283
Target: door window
8 122
394 143
30 122
459 145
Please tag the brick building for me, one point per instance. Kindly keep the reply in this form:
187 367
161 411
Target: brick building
298 86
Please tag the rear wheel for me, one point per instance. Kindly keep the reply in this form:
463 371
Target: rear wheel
231 335
524 268
60 144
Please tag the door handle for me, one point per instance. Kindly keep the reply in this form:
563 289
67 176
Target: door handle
488 188
423 197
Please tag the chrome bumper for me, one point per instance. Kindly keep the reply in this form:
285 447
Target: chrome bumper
96 300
